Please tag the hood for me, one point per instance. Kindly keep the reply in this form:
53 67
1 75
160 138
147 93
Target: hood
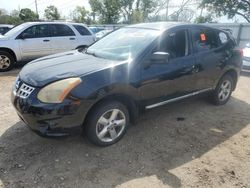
3 37
59 66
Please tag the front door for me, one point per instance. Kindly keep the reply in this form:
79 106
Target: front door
34 42
175 78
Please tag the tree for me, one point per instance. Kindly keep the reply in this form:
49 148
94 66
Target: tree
13 18
183 15
51 13
204 19
134 11
127 10
229 7
80 14
108 10
28 15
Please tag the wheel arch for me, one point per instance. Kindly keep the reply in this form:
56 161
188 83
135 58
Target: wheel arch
9 51
234 75
129 102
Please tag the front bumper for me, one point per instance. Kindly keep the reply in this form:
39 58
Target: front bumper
50 119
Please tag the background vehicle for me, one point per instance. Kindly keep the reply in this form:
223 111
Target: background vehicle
32 40
246 57
102 33
96 29
136 67
4 28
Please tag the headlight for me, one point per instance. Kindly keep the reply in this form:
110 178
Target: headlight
57 91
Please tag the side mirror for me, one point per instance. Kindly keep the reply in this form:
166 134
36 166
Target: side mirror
160 57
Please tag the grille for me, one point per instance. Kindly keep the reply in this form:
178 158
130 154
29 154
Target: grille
24 91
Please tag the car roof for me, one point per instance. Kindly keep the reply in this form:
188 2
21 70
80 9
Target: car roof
167 25
158 25
71 23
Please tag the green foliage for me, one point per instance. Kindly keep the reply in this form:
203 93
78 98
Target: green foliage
132 11
51 13
27 15
80 15
229 7
204 19
108 10
183 15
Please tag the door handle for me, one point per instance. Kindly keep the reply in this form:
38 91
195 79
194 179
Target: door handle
46 40
72 38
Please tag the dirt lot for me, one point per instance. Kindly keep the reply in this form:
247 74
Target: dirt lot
186 144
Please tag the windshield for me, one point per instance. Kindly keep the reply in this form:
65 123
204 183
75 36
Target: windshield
123 44
14 30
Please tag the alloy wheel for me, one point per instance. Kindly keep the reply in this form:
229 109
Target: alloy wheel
4 62
225 90
110 125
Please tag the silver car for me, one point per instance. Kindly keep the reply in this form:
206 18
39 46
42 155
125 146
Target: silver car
32 40
246 57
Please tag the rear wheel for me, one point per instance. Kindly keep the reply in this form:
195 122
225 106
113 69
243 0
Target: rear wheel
107 123
6 61
223 90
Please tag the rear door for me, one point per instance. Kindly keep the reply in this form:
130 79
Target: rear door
210 55
63 38
36 43
84 37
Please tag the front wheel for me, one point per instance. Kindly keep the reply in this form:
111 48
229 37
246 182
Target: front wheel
223 90
107 123
6 61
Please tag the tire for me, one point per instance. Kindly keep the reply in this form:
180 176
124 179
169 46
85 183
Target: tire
107 123
220 96
7 61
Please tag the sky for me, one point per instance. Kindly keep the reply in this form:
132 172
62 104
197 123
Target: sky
64 6
67 6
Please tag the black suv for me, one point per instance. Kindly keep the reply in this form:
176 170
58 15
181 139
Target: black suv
103 88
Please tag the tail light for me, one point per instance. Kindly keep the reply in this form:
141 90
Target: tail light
241 52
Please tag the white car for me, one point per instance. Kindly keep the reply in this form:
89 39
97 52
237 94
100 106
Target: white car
246 57
32 40
4 28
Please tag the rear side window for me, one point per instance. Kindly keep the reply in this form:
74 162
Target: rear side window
82 30
37 31
204 39
60 30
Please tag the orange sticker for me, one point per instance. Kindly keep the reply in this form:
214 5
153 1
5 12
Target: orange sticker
203 37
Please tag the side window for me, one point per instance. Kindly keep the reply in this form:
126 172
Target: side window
60 30
204 39
36 31
175 43
82 30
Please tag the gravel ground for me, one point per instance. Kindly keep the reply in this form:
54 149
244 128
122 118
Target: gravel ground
191 143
